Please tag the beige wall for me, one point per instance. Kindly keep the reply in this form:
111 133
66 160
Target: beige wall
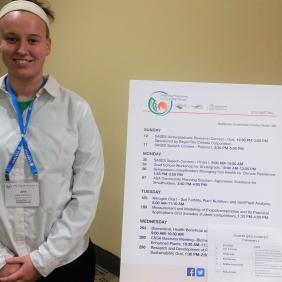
98 46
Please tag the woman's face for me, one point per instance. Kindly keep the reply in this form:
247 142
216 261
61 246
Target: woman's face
24 45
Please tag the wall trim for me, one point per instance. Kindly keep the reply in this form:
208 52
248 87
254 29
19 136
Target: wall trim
107 260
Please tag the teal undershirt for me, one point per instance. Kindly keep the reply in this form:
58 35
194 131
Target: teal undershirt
24 105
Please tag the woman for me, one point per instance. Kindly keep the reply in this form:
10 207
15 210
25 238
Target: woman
51 159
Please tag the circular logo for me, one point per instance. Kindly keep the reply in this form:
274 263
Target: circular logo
159 103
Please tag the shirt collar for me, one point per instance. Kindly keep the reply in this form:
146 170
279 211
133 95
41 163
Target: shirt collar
51 86
2 84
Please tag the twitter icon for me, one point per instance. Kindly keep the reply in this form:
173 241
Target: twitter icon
200 272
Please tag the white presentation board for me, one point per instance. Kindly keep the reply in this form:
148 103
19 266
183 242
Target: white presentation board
203 183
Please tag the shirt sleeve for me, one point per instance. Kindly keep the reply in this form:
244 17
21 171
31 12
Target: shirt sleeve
71 227
4 253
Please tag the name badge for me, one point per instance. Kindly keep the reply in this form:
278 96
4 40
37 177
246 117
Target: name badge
21 194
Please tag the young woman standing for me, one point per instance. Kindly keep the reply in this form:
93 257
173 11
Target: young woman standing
51 159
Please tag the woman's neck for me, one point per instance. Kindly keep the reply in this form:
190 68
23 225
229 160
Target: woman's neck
25 89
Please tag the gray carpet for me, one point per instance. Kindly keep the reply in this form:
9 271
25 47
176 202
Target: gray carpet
102 275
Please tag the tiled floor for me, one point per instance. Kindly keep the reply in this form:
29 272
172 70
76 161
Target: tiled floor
102 275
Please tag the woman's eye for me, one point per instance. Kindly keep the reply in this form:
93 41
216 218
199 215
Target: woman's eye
32 41
11 39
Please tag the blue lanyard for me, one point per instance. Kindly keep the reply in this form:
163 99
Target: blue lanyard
23 126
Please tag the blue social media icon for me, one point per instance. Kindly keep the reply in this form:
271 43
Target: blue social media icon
200 272
191 271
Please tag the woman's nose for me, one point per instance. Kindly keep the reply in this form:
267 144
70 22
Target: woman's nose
22 47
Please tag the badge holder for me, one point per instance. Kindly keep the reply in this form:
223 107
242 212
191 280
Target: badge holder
21 194
25 193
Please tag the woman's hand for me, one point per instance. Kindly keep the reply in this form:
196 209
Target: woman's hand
9 269
23 270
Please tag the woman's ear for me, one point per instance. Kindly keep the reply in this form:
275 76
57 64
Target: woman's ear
48 46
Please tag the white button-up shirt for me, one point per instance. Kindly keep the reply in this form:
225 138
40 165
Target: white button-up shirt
66 147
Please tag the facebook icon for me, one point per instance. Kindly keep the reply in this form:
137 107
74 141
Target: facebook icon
190 271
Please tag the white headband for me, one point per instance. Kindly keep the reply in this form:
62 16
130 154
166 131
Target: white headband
21 5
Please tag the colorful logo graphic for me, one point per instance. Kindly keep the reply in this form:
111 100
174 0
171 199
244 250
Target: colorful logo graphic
159 103
191 271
